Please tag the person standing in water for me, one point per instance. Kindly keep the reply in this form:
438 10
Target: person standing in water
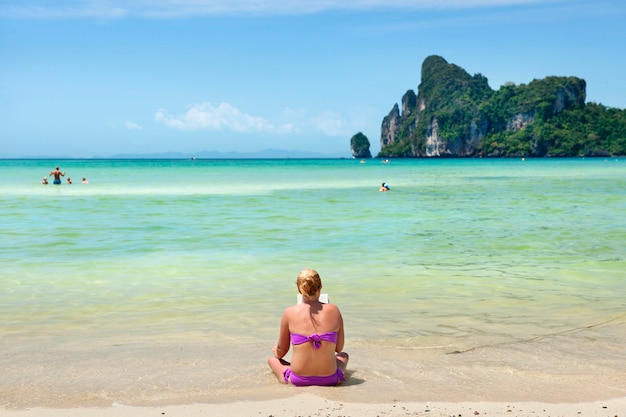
316 331
57 174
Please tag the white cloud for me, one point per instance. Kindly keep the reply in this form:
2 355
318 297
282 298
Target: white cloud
67 9
329 123
177 8
225 116
132 125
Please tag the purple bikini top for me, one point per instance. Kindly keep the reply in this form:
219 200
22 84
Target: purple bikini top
298 339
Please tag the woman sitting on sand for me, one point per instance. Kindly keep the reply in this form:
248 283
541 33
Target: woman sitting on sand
316 331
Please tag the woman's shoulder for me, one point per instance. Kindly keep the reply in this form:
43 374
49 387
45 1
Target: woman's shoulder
293 310
331 306
302 310
302 307
290 309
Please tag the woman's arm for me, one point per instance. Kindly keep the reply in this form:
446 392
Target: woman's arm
282 347
340 334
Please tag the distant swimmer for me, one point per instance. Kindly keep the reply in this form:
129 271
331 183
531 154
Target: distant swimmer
85 181
69 180
384 187
44 180
57 174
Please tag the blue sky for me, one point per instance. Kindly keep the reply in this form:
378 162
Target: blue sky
85 78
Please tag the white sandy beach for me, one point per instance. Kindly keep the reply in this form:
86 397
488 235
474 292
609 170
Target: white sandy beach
553 379
315 406
572 374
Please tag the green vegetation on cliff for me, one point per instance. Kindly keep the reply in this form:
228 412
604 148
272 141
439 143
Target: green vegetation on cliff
458 115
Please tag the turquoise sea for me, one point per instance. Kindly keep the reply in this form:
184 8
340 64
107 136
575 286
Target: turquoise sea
164 280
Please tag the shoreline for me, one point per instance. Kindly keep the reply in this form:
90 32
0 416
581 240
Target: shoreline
147 377
308 404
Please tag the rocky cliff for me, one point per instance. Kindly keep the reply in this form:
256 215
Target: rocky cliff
455 114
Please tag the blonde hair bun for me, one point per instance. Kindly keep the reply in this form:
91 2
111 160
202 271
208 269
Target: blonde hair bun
308 282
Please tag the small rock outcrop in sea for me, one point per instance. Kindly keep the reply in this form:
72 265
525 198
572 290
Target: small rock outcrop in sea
360 146
455 114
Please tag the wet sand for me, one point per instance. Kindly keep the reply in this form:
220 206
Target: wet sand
578 374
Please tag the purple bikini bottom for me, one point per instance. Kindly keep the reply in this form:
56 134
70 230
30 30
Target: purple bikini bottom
303 381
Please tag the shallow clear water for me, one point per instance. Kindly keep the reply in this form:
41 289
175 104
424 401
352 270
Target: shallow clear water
460 253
